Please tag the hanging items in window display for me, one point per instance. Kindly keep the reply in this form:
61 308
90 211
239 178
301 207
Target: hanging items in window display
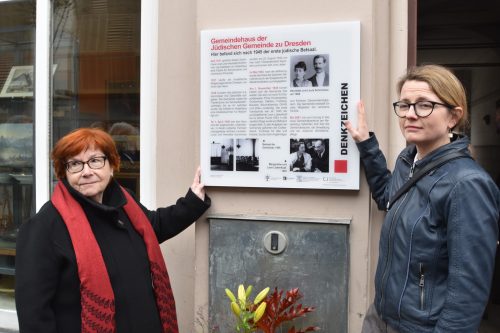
5 212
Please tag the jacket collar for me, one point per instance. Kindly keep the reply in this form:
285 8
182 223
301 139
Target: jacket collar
458 142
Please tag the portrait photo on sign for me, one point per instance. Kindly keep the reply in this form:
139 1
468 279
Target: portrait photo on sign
308 71
222 155
309 155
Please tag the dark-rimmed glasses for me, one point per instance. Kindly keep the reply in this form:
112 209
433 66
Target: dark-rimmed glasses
97 162
422 108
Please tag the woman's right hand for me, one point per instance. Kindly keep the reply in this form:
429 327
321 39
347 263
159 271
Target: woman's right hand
198 187
361 133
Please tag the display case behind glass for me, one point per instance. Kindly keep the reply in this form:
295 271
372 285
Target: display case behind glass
17 43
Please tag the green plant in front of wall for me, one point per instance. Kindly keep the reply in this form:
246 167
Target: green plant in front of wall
247 313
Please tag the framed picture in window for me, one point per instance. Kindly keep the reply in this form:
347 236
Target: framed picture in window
16 145
20 82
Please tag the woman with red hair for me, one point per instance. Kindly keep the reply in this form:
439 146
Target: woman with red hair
90 260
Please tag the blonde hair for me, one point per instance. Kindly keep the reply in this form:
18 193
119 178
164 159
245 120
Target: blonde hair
444 84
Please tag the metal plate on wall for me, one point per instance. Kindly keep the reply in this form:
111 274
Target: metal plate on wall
315 260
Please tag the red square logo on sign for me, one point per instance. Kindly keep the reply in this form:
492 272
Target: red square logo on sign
340 166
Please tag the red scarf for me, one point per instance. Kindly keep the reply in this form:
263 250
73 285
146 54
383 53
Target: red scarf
97 298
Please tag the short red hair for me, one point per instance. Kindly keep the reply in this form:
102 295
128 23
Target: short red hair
80 140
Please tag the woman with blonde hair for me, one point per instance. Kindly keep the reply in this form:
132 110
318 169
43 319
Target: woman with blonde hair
439 237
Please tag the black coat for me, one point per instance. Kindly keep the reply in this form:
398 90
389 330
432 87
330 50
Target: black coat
326 81
321 162
47 283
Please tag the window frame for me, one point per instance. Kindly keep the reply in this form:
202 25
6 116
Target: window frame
148 101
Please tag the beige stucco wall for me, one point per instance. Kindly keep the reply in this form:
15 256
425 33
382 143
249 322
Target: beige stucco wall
383 24
177 133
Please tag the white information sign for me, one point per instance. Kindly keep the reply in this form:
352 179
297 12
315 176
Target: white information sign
273 105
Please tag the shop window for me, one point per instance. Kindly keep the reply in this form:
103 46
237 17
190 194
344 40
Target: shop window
17 45
95 49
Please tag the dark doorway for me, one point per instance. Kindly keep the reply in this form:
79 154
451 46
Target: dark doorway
465 36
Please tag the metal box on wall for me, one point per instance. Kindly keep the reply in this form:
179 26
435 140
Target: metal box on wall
309 254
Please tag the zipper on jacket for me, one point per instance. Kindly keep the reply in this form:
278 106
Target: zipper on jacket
411 170
385 273
421 284
392 227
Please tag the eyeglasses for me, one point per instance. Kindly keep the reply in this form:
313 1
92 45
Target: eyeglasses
422 108
97 162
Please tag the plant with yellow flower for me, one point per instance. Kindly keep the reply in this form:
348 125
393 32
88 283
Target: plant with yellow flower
247 313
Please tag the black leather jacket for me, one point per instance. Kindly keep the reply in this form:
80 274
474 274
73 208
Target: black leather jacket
437 243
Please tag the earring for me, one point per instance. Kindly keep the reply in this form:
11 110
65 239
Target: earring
450 133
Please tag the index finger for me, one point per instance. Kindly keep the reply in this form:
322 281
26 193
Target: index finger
197 175
361 113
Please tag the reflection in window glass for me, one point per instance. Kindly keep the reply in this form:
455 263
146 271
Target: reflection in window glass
95 83
17 44
96 56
